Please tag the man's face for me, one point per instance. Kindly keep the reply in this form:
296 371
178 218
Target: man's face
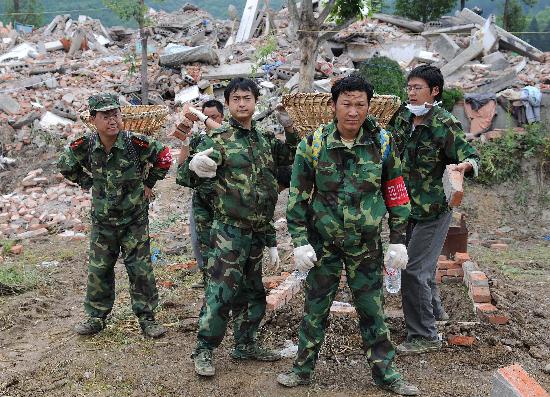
213 113
108 123
241 105
419 91
351 110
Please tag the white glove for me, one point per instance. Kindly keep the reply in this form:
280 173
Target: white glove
274 257
202 165
200 115
400 258
304 258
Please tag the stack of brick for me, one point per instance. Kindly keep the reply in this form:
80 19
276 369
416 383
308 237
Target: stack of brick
478 290
450 270
35 209
283 293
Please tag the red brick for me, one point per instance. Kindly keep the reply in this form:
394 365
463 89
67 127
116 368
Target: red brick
480 294
438 278
462 257
442 258
182 266
456 180
498 319
526 386
484 309
273 302
16 249
271 282
167 284
461 340
499 247
455 272
448 264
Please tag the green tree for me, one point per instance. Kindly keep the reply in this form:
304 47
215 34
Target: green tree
535 39
312 29
135 10
385 75
513 17
427 10
29 12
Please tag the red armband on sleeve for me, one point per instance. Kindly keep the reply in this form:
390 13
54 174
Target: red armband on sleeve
395 192
164 159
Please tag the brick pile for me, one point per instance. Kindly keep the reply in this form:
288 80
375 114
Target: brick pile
38 208
450 270
282 293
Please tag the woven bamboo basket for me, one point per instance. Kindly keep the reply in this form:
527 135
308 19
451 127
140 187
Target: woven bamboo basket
311 109
144 119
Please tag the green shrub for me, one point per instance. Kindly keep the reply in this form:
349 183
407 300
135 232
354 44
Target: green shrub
385 75
501 158
450 97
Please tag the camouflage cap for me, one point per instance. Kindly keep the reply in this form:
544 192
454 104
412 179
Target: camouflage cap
103 102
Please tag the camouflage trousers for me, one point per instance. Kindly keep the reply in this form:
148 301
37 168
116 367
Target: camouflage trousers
364 276
106 243
234 284
201 219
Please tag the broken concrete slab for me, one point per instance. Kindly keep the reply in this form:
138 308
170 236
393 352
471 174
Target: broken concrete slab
247 21
450 29
426 57
413 26
507 40
177 55
496 61
474 50
27 119
446 47
53 45
8 104
228 72
499 84
49 120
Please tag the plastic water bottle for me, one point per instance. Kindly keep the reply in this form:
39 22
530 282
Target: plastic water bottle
392 275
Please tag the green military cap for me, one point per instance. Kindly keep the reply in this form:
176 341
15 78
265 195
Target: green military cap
103 102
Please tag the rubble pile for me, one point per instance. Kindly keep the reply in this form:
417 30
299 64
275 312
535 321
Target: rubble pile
46 76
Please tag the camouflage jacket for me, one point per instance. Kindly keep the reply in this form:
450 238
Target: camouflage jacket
116 180
425 153
343 196
245 183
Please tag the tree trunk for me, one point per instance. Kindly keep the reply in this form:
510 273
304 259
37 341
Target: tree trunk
506 16
462 4
143 69
309 45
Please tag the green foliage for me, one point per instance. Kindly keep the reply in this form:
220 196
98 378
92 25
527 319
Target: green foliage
450 97
18 276
427 10
128 10
130 60
28 12
501 158
385 75
6 246
346 9
263 52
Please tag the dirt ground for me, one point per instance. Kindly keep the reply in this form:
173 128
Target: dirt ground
41 356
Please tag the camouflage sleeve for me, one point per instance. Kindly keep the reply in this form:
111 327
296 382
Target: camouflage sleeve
457 149
398 129
188 178
395 196
155 153
271 236
70 164
283 152
301 185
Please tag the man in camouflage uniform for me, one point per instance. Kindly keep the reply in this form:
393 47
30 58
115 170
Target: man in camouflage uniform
346 176
430 138
111 162
202 211
242 161
201 215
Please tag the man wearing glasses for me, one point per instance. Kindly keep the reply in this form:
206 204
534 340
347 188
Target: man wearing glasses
111 162
429 139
